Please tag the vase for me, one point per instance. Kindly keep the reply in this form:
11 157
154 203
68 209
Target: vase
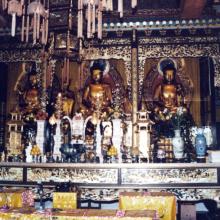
200 144
178 145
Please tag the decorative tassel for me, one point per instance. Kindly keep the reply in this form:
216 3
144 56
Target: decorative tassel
93 18
133 3
38 26
4 4
89 21
104 4
27 28
67 71
80 19
111 5
13 24
34 28
100 20
43 32
120 8
22 28
46 28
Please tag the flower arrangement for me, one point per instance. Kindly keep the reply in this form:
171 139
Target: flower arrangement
181 119
170 120
178 118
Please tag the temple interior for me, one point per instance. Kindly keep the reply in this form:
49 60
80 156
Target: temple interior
110 109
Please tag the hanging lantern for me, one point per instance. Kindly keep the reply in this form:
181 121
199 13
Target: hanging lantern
39 22
15 8
94 10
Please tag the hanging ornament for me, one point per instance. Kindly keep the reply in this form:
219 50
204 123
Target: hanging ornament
120 8
15 8
35 14
39 21
133 3
94 10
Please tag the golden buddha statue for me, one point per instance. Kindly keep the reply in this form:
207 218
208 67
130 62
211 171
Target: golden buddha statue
169 95
97 96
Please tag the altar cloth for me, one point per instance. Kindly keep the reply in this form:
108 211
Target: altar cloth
16 198
163 203
65 200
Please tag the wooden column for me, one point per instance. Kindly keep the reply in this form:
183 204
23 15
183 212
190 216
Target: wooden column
134 85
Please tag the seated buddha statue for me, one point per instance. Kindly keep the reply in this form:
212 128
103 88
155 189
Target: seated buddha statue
170 109
97 96
169 95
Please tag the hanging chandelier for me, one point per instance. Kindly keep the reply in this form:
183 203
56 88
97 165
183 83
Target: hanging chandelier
37 21
35 16
15 8
93 14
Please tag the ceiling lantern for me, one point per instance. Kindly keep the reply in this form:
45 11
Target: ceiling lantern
35 16
36 21
15 8
93 10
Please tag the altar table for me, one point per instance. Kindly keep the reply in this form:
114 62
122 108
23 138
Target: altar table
78 214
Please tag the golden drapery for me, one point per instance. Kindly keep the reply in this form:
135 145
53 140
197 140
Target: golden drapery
16 198
163 203
64 200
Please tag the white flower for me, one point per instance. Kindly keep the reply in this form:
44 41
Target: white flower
179 111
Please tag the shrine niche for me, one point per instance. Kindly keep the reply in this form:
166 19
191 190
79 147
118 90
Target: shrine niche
113 76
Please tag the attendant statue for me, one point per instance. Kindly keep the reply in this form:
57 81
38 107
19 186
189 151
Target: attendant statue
31 94
97 96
